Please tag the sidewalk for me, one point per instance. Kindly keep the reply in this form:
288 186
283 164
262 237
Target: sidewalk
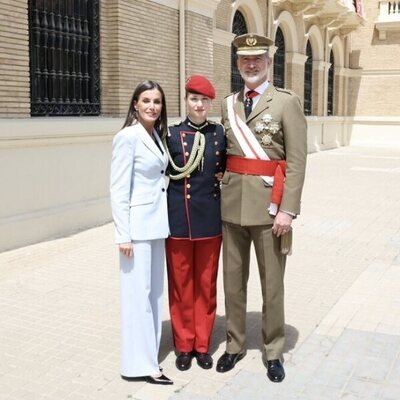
59 304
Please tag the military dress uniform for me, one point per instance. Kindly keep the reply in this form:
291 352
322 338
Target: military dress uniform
195 225
277 129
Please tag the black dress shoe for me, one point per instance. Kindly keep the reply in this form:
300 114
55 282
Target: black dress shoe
158 380
275 371
184 360
204 360
227 361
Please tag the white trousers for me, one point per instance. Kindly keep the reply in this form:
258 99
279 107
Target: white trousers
142 281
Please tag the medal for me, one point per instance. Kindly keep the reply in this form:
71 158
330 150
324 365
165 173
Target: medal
266 140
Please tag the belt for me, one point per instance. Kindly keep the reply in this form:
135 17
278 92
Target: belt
251 166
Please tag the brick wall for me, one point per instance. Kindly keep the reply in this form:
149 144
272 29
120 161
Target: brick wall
375 93
222 15
199 45
14 59
222 75
139 41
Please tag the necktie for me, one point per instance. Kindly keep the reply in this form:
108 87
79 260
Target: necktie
248 103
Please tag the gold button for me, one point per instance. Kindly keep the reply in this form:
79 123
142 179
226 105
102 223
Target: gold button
183 134
186 154
188 186
216 143
217 153
188 196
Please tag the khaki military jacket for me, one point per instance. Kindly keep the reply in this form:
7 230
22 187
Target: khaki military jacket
280 127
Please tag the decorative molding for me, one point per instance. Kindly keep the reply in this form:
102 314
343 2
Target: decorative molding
321 65
41 131
352 73
380 72
168 3
203 7
296 58
222 37
389 18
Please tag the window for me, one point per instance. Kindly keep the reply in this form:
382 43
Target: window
331 82
64 57
279 59
239 27
308 81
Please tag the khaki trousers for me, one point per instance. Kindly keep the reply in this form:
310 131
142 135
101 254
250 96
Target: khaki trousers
271 265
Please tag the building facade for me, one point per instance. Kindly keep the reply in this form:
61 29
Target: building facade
68 69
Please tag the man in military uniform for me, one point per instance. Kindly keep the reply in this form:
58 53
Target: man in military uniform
266 156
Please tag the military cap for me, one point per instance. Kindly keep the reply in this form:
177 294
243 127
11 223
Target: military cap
201 85
251 44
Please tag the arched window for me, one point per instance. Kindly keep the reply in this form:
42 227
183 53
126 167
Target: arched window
308 81
239 27
279 59
331 82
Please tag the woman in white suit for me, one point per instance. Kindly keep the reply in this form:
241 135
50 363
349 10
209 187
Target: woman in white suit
139 207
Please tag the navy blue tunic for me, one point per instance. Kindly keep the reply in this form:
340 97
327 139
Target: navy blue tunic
194 201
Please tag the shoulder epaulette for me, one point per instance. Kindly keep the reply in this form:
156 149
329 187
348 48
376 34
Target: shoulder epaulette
212 122
176 123
284 90
230 94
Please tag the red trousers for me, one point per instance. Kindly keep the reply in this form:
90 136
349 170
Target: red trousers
192 287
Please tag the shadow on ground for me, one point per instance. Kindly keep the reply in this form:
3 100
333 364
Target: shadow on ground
254 338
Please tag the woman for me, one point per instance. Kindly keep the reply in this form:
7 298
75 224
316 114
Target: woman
139 207
196 150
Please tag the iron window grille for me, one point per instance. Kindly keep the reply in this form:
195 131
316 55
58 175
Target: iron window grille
64 57
279 59
331 82
239 27
308 80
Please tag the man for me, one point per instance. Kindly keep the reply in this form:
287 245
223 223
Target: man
266 156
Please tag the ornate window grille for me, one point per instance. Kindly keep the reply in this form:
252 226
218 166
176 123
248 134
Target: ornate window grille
239 27
279 59
308 81
64 57
331 82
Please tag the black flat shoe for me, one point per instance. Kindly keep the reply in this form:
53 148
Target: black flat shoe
158 380
275 371
204 360
184 360
227 361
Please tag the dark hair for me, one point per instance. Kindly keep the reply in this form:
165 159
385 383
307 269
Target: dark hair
161 124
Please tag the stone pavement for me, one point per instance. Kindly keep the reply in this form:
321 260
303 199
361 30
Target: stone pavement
59 329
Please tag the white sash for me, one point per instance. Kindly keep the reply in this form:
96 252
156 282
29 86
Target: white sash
248 143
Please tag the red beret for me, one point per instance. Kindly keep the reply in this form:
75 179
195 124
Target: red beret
200 84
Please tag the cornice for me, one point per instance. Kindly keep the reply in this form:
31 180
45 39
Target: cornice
224 38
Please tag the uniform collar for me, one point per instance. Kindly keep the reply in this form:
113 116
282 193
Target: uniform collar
196 126
259 89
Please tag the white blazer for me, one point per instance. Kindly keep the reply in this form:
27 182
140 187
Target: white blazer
138 186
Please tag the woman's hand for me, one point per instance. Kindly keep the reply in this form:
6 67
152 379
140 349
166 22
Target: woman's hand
126 249
219 176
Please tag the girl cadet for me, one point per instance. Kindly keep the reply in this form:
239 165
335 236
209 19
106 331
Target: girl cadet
196 150
139 207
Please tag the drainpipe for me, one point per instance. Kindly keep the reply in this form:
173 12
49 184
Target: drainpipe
182 58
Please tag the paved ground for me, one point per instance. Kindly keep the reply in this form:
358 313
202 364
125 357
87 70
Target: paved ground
59 329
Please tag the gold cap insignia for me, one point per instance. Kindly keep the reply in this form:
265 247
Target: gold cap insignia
251 41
